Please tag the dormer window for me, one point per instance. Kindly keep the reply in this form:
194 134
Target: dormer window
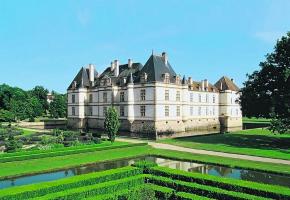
166 78
177 79
74 85
105 81
144 77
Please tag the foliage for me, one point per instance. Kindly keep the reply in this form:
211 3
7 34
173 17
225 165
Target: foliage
280 125
143 193
145 165
267 91
112 123
58 108
6 116
12 144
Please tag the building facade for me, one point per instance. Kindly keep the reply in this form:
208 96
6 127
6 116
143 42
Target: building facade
152 100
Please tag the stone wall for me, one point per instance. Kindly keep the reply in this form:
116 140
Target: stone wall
49 124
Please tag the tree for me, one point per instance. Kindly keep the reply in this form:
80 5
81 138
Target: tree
12 144
40 93
266 93
6 116
112 123
58 107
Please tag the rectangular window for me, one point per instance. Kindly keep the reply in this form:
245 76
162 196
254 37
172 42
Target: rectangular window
199 110
166 95
73 111
104 110
206 98
199 98
237 111
166 111
191 110
213 98
73 98
206 111
90 111
142 111
178 111
122 112
91 98
142 95
213 111
122 96
177 95
191 97
105 99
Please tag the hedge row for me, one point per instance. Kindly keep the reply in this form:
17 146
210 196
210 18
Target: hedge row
258 189
40 189
202 190
96 189
187 196
64 152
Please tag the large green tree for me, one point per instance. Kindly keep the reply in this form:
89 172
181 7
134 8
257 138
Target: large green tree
266 93
58 106
112 123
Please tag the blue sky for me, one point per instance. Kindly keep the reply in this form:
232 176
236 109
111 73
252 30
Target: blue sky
46 42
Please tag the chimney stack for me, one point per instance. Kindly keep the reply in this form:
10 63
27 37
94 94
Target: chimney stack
190 80
116 71
165 57
232 80
92 73
130 63
202 85
206 84
112 66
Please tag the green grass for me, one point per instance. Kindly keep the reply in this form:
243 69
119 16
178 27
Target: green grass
257 142
27 131
256 120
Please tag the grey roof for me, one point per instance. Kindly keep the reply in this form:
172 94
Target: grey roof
82 79
155 67
224 83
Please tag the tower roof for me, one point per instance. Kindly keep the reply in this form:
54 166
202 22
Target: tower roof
81 79
224 83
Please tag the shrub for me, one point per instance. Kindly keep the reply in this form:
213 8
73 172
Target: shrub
144 165
112 123
144 193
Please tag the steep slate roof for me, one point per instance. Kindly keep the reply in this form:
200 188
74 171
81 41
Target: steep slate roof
196 85
226 84
124 72
82 79
155 67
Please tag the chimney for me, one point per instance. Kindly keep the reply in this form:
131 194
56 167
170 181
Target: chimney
112 66
232 80
91 73
202 85
116 71
130 63
206 84
165 57
221 86
190 80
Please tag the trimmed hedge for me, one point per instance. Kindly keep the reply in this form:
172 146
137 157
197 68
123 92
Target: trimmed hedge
203 190
187 196
40 189
258 189
96 189
63 152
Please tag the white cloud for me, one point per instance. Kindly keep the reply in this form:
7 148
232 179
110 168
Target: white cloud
269 36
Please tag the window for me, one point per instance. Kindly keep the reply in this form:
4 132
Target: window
166 111
166 78
213 98
191 110
237 111
177 95
166 95
178 111
105 97
122 112
104 110
73 98
206 111
91 98
206 98
122 96
142 111
73 111
191 97
199 110
213 111
142 95
90 111
199 98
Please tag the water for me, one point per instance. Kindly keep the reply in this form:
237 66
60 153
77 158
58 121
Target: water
215 170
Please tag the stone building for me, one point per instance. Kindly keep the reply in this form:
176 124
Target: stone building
152 100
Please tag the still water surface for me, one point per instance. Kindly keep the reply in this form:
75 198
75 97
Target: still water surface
215 170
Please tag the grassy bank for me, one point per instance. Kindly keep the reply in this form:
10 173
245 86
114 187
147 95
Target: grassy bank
257 142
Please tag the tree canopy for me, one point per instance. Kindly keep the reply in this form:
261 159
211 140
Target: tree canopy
112 123
266 93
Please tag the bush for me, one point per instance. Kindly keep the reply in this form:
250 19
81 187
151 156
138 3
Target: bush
145 165
12 144
143 193
112 123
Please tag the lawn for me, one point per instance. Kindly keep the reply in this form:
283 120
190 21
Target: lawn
17 168
256 120
257 142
